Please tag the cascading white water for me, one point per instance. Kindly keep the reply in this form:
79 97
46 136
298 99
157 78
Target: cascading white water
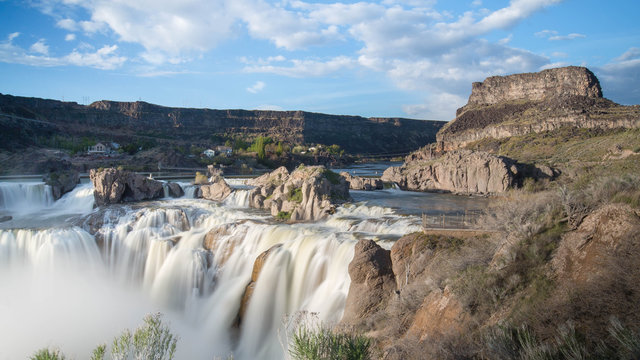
25 197
155 258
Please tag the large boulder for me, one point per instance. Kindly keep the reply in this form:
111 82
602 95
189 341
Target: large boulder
61 182
459 171
113 186
216 190
308 193
360 183
175 190
372 282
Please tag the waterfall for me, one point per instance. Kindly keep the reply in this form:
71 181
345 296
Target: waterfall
25 197
190 259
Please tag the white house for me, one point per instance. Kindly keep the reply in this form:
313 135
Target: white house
98 148
209 153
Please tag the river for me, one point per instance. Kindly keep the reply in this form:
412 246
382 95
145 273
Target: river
64 286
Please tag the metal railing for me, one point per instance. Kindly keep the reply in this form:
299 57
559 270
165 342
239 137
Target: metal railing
468 219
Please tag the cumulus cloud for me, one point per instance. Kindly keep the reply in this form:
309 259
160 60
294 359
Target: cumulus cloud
104 58
40 47
70 37
256 88
620 77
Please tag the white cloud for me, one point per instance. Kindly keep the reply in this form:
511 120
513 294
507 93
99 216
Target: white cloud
620 78
12 36
437 107
571 36
552 35
67 24
632 53
256 88
305 68
40 47
70 37
104 58
269 107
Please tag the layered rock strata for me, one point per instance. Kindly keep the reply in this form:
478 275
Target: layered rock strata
308 193
459 171
113 186
504 106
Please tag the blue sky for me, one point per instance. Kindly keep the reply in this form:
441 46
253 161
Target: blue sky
406 58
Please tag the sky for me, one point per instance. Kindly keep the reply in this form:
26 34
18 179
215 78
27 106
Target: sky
383 58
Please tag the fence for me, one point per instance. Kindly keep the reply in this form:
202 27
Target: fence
468 219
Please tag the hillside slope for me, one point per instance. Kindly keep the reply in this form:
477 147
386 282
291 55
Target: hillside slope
122 121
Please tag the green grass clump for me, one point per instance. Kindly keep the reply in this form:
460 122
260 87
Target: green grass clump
47 354
283 216
323 344
295 194
332 176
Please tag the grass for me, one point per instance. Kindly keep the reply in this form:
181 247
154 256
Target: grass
320 343
331 176
283 216
562 145
47 354
295 195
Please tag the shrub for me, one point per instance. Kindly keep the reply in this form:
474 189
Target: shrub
47 354
200 179
152 340
320 343
283 216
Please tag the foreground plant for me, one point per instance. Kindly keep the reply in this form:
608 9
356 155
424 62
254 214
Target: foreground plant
313 341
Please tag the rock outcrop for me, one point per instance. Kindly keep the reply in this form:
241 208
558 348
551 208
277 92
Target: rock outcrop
62 182
504 106
255 273
216 190
175 190
460 171
308 193
360 183
113 186
372 282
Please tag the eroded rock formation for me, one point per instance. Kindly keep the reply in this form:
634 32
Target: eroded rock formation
308 193
460 171
372 282
62 182
216 190
113 186
504 106
360 183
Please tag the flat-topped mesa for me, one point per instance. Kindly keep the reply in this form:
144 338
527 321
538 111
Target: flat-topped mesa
514 105
566 81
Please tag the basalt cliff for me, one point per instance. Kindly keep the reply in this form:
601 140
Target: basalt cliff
26 119
505 106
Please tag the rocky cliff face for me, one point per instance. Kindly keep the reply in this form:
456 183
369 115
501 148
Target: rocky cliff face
123 120
504 106
559 82
459 171
308 193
